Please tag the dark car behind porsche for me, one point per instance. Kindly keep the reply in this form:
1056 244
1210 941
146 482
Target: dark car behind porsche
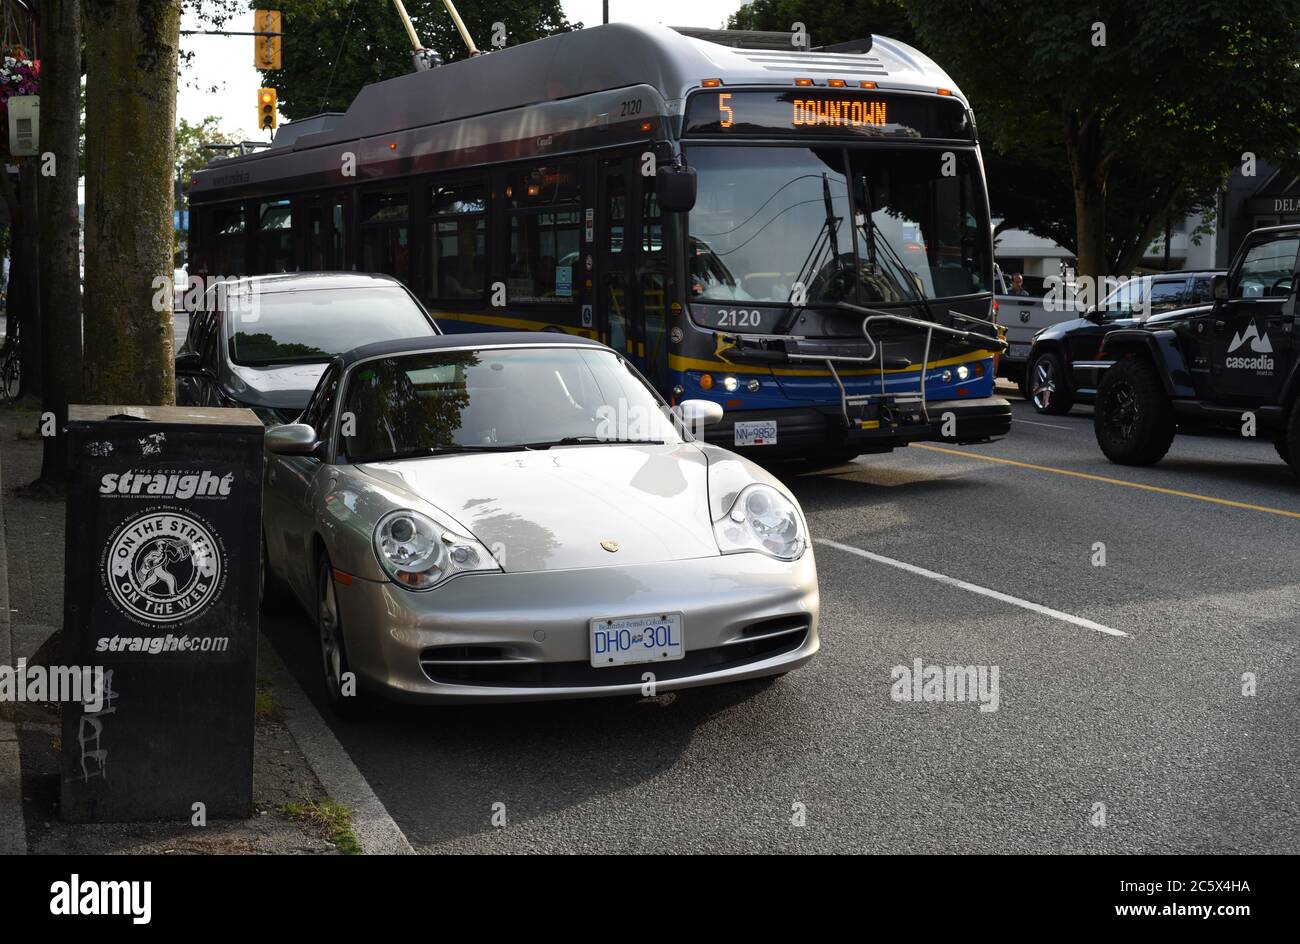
262 342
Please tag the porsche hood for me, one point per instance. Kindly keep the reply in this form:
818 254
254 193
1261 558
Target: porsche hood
569 507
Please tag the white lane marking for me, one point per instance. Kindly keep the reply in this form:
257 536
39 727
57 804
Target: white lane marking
973 588
1048 425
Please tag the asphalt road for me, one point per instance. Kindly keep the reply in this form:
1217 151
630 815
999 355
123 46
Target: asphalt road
1200 577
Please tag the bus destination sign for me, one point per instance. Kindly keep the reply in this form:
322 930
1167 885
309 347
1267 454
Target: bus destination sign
809 112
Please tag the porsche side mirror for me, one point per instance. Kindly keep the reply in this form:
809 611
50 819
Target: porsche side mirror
696 414
188 362
1219 288
291 439
675 187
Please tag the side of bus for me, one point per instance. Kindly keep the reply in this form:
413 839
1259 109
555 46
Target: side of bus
572 243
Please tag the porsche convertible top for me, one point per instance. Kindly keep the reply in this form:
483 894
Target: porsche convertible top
468 339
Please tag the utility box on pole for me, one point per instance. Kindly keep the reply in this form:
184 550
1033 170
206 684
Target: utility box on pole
24 125
162 576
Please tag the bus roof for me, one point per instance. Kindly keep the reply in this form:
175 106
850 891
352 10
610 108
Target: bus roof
597 59
549 93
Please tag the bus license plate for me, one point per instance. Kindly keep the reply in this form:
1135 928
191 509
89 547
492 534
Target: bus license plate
629 640
1019 350
756 433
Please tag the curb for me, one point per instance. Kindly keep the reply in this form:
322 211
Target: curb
343 782
13 831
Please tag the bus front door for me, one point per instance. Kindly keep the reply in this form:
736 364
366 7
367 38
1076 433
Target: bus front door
634 267
618 314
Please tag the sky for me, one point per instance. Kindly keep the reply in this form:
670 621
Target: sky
227 61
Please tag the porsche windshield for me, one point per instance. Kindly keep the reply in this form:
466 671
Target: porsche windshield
865 225
498 399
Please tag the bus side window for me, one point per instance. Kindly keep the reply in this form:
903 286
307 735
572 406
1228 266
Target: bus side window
544 225
226 247
457 243
275 236
385 233
316 244
616 265
654 290
340 245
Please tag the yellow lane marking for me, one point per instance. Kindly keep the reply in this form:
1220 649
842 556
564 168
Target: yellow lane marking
1110 481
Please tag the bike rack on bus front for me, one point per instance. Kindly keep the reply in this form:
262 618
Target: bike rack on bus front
970 337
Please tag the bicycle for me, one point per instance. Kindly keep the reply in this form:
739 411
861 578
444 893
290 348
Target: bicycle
11 370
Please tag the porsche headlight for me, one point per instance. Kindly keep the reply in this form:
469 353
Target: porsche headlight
762 519
419 553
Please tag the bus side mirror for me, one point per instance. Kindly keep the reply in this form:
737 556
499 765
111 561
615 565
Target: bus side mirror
675 187
1219 288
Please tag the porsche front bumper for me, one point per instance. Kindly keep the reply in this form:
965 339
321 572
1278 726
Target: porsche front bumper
526 636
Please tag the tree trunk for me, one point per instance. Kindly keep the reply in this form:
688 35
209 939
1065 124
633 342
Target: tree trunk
59 227
27 257
131 61
1088 175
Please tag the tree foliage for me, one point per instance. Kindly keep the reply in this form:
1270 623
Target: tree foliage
1151 103
1097 144
191 156
828 21
331 49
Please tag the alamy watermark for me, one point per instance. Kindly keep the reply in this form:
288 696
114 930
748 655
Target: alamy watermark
1084 293
946 683
78 684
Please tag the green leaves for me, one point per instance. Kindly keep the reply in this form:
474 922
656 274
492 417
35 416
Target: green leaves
334 47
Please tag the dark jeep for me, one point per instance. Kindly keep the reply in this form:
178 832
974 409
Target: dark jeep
1229 365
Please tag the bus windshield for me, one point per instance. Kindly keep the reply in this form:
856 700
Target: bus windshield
824 224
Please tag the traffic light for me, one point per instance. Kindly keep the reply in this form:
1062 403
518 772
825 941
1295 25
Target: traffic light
266 48
266 109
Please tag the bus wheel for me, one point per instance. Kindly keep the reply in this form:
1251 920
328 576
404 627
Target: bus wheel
1134 420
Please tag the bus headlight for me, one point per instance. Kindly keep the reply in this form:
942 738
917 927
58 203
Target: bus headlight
762 519
419 553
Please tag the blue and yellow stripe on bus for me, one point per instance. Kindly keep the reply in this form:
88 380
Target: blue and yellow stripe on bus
680 362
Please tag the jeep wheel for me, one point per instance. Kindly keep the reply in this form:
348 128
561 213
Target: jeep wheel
1288 444
1046 386
1134 421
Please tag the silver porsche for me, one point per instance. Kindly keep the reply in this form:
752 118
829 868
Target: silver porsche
516 516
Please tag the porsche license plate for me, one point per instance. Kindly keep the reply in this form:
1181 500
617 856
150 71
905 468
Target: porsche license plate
629 640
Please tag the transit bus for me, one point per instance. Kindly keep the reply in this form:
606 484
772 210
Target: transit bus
792 233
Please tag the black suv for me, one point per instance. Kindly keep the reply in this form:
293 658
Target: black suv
1229 365
1063 364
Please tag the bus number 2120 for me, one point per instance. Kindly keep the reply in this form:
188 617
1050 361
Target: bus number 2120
739 318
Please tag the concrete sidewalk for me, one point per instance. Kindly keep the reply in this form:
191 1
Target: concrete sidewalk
13 834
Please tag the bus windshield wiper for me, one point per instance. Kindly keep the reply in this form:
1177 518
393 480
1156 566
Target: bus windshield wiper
590 441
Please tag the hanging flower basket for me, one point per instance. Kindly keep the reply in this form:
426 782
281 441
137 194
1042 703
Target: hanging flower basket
19 75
